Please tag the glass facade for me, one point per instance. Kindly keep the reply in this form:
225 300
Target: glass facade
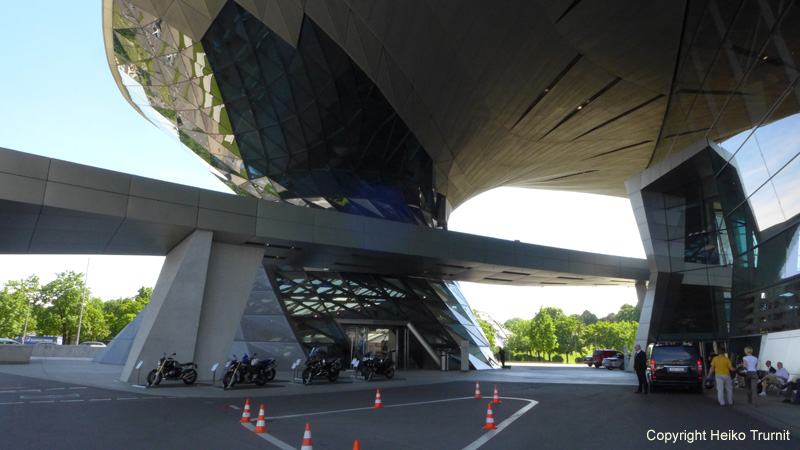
320 304
303 125
724 223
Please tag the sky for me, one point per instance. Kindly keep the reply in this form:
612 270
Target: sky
60 100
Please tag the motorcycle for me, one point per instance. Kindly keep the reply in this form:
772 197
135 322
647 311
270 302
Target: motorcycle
376 365
249 370
318 365
170 369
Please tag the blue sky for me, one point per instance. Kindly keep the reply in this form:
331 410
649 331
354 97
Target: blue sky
60 100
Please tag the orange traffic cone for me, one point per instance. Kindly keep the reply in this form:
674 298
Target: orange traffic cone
260 425
246 413
378 403
307 438
489 419
477 390
496 398
356 446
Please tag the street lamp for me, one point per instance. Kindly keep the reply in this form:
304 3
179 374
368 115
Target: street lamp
575 342
595 341
83 300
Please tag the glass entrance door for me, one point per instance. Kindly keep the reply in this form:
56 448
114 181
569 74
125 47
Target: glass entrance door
378 340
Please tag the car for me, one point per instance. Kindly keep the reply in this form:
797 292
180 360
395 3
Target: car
675 366
93 344
597 357
616 361
7 341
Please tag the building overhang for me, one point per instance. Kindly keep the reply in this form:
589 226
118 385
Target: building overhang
48 206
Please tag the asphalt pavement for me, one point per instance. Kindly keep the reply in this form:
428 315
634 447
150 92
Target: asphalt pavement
67 404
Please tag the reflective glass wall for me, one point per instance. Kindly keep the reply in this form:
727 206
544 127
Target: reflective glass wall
303 124
320 304
724 221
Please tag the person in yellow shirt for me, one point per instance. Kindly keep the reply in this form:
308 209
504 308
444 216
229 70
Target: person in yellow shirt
723 368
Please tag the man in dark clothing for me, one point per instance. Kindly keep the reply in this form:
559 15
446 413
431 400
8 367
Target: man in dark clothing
502 354
640 366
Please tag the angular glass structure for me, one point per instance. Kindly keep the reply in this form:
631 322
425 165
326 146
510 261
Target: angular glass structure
723 212
301 123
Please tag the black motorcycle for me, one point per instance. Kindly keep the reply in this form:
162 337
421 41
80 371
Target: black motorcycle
318 365
249 370
376 365
170 369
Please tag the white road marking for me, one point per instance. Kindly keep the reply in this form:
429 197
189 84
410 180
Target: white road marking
71 401
12 403
79 387
267 437
234 407
485 438
473 446
127 398
43 401
54 389
99 399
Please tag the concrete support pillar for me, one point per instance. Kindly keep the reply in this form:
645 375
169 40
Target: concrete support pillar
231 272
196 305
171 319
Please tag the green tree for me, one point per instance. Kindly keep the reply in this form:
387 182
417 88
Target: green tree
15 299
93 325
519 341
628 313
567 330
542 332
120 312
58 312
588 318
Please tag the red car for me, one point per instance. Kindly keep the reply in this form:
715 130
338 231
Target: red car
596 359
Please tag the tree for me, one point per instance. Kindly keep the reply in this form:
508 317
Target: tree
93 326
120 312
519 341
628 313
543 338
19 294
14 303
588 318
59 310
567 329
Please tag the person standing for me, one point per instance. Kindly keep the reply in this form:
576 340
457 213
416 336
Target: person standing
502 354
723 367
751 364
640 366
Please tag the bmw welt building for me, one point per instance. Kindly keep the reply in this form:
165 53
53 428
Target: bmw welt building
351 129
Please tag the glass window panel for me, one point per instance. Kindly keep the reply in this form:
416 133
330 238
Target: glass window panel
787 188
766 208
750 164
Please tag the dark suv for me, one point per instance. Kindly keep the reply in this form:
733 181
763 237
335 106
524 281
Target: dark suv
675 366
596 359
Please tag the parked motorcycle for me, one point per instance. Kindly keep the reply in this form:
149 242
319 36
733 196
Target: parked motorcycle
170 369
249 370
376 365
318 365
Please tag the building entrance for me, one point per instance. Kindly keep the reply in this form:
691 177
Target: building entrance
380 340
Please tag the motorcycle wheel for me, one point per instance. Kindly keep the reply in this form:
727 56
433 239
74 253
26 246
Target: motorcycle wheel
151 377
190 376
307 376
370 374
334 375
261 378
270 374
228 381
390 372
